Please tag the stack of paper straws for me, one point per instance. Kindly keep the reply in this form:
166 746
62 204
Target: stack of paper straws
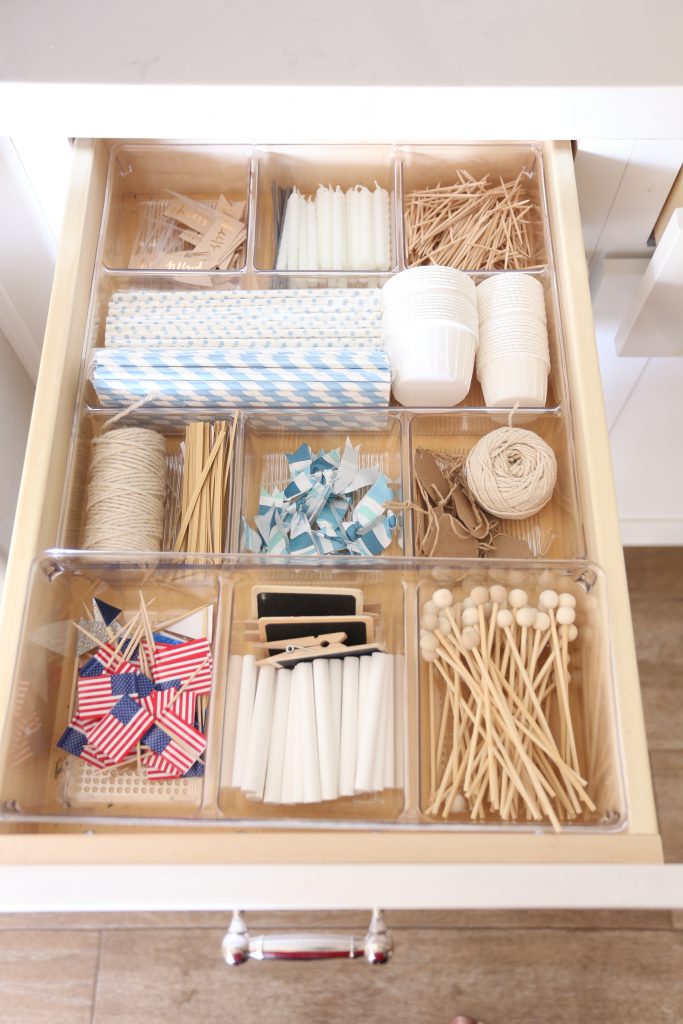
300 347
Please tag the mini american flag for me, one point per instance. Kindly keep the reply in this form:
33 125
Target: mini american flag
74 740
121 728
95 697
168 747
183 706
92 667
183 661
113 660
145 695
133 683
159 769
187 735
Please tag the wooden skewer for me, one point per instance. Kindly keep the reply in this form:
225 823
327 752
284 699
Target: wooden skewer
197 490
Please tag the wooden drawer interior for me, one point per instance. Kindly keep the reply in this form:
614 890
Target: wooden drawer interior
565 530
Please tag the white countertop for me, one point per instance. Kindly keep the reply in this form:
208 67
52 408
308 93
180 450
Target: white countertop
384 69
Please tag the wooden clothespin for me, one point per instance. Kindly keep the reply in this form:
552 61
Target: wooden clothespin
303 646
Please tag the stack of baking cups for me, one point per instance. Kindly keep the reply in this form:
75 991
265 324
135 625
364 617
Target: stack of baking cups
430 329
513 361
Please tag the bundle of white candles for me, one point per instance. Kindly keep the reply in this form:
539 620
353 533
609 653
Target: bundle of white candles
505 745
336 230
321 730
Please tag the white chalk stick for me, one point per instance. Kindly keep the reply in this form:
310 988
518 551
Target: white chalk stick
336 673
363 684
349 726
278 736
308 737
244 715
254 778
369 724
324 718
232 701
380 749
291 744
389 744
399 723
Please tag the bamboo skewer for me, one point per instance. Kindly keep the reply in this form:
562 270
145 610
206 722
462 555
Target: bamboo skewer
207 462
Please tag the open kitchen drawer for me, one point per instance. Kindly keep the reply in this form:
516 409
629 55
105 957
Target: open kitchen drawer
361 850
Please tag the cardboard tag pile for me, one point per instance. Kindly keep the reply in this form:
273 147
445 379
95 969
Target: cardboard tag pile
214 236
315 513
141 698
456 527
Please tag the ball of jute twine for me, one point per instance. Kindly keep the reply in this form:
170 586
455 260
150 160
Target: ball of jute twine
126 491
511 473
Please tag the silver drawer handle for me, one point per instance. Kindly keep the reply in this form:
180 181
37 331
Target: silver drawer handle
237 947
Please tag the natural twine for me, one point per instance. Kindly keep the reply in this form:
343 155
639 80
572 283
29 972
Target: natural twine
511 473
126 490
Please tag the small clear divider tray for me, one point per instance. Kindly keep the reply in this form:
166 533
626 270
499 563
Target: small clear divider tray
236 595
144 178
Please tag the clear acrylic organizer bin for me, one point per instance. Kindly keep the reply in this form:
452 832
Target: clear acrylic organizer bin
143 179
41 782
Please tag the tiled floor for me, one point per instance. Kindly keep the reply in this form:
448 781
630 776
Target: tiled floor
504 968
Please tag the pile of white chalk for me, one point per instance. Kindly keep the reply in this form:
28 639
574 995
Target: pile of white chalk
318 731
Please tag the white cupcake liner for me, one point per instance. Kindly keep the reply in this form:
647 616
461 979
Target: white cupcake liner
487 355
391 326
418 278
509 284
513 379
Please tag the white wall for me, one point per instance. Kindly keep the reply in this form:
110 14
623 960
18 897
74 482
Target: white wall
16 401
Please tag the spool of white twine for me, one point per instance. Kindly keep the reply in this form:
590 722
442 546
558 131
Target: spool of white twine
126 491
511 473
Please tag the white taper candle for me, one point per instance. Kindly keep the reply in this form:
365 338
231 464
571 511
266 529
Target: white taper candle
339 239
312 231
367 225
353 228
381 235
323 216
295 204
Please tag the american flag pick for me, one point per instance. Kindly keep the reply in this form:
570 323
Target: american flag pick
191 662
121 706
121 728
